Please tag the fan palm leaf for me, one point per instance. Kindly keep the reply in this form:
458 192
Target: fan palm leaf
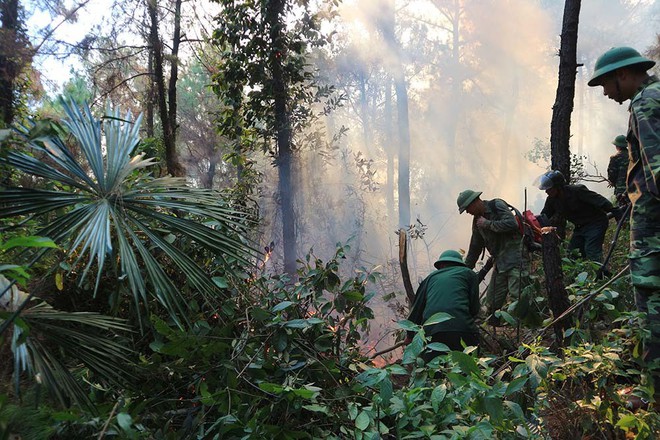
109 212
88 338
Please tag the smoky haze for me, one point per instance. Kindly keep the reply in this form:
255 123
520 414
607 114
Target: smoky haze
482 79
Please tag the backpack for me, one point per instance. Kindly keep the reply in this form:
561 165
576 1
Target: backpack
528 225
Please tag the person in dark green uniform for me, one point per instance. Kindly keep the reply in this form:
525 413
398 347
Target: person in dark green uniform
622 72
586 209
494 228
617 170
454 289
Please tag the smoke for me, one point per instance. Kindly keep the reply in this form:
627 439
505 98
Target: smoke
482 79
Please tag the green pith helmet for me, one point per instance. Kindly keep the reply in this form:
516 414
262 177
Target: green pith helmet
465 198
620 141
616 58
449 256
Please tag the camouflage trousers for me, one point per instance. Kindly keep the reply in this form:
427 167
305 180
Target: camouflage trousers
645 273
511 282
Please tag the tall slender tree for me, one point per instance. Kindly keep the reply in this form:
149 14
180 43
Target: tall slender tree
166 95
560 126
396 69
265 45
13 56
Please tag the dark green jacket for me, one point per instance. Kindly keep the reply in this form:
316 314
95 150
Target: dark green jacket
500 236
453 290
579 205
644 175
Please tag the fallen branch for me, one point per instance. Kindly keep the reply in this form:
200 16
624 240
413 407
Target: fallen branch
403 263
387 350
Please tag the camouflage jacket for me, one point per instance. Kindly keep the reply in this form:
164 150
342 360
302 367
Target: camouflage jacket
644 171
500 236
616 171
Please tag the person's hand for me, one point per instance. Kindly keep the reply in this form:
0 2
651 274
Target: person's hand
482 223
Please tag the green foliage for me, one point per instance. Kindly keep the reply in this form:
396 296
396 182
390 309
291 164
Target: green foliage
109 215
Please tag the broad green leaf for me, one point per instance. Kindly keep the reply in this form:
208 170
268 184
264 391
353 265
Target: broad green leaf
362 421
271 387
30 241
438 318
304 393
283 305
124 420
353 295
537 368
317 408
413 350
438 346
507 317
466 363
494 408
386 390
407 325
627 421
582 277
303 323
438 395
221 282
371 377
515 385
352 410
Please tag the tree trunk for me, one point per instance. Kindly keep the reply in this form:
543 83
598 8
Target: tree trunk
554 280
274 12
404 148
389 148
9 66
167 117
560 127
150 97
403 125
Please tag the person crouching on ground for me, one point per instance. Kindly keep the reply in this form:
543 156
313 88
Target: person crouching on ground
452 288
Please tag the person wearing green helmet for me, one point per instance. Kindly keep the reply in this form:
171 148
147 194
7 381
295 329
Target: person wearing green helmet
622 72
495 228
617 169
454 289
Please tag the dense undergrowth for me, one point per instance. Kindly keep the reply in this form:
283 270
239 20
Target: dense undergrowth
262 356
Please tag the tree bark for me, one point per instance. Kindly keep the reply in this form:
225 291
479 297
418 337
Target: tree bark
150 97
9 65
560 127
554 280
167 116
274 12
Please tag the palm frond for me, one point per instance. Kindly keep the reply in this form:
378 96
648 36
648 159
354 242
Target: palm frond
83 336
107 213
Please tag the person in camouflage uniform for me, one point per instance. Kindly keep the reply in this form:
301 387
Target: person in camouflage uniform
494 228
622 72
617 170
